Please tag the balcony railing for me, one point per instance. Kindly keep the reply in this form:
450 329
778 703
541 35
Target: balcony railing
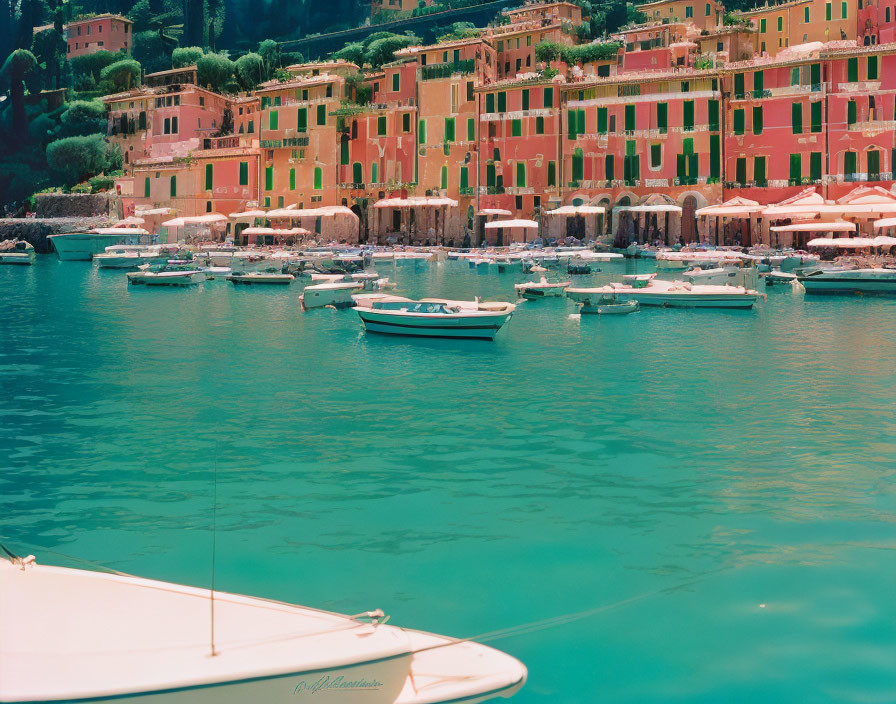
289 142
428 73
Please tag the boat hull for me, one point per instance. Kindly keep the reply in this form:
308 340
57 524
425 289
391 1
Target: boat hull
847 285
17 258
480 327
82 246
324 295
672 300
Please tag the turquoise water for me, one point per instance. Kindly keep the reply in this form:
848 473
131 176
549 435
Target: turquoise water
684 468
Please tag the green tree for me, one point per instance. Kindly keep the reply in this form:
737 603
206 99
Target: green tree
186 56
123 74
382 50
78 158
250 71
269 50
49 49
93 64
214 71
353 52
15 70
81 118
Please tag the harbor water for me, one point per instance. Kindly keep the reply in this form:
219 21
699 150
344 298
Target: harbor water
712 493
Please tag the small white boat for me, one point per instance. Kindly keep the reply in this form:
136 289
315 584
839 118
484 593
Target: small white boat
82 246
685 259
189 277
469 320
260 277
729 274
541 289
337 294
846 279
776 277
609 304
16 252
647 290
72 635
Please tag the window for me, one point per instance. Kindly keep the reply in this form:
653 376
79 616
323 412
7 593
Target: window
806 14
357 172
502 102
631 166
601 120
374 173
292 179
708 9
146 187
549 97
276 100
520 174
471 130
815 116
851 113
796 117
318 178
251 128
244 173
321 114
381 126
763 26
827 11
656 155
421 131
815 76
849 166
738 121
516 128
843 6
713 110
757 119
552 173
781 23
273 120
344 152
662 117
815 166
738 85
758 84
740 171
629 118
526 99
209 177
174 129
796 169
688 117
874 165
490 175
795 76
609 167
689 11
715 161
406 122
872 68
396 82
449 129
490 103
539 125
578 164
759 170
852 70
470 93
444 181
269 178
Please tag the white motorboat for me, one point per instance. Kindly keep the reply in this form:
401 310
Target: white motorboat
335 293
436 318
72 635
685 259
260 277
541 289
16 252
131 256
647 290
174 277
82 246
608 304
776 277
845 279
729 274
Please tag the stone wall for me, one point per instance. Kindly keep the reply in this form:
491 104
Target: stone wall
76 205
36 230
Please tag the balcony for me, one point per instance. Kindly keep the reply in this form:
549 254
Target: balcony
289 142
467 190
436 71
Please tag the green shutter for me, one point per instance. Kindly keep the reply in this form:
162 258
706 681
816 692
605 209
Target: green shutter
269 178
490 102
815 76
502 102
343 152
852 70
273 120
662 118
849 164
318 178
758 83
381 126
292 179
796 169
827 11
796 117
851 110
539 125
396 82
689 115
449 129
656 155
610 168
872 68
738 85
471 130
303 120
525 99
421 132
843 7
490 175
757 119
552 173
815 116
580 121
549 97
357 172
713 106
795 76
444 178
464 177
516 128
759 170
629 118
874 165
321 114
815 166
520 174
146 187
740 171
715 162
601 120
244 173
806 14
173 189
738 121
578 165
209 177
374 173
571 124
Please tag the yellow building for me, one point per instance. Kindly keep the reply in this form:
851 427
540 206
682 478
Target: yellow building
802 21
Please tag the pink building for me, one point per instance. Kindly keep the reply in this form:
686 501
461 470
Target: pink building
100 33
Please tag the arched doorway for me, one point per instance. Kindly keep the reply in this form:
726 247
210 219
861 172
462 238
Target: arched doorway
689 219
363 232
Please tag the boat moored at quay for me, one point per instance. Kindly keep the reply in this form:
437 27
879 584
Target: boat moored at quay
82 246
432 317
847 279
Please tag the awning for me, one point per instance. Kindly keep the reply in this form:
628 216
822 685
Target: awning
571 210
250 214
418 202
275 231
886 222
327 211
884 241
152 211
502 224
494 211
842 242
119 231
816 226
658 208
208 219
737 207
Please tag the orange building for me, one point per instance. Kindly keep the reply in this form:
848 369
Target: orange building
802 21
703 15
